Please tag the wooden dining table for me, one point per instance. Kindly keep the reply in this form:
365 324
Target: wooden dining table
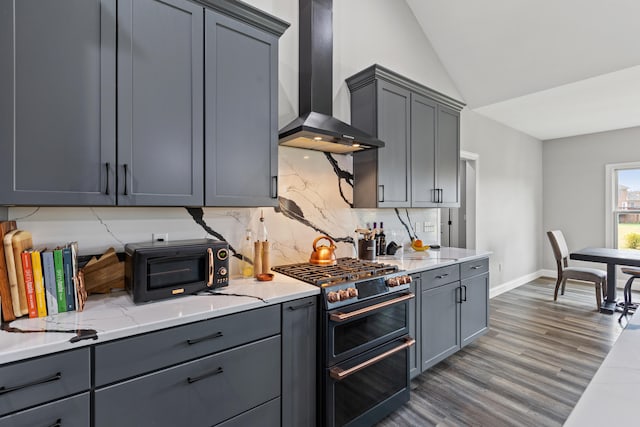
611 257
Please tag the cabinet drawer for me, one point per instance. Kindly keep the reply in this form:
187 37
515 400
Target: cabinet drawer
473 268
206 391
267 415
69 412
145 353
41 380
440 276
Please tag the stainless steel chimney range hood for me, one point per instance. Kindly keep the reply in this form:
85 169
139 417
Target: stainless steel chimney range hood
316 128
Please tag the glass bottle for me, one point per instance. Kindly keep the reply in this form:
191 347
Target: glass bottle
382 241
246 266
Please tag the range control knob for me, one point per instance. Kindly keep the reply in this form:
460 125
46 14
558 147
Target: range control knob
407 279
333 296
222 271
343 294
353 292
393 282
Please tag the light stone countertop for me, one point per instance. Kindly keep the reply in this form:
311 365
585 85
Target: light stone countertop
611 394
115 315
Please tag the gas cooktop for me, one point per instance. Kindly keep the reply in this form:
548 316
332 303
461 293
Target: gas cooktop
346 270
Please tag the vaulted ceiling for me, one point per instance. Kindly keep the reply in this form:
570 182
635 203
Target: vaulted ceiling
547 68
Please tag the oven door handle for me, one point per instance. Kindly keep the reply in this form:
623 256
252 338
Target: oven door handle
337 373
341 317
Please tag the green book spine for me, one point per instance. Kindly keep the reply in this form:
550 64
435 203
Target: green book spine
69 286
60 288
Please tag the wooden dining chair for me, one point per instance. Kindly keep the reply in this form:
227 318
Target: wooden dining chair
561 254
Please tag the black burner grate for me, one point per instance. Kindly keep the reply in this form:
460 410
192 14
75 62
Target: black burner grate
346 270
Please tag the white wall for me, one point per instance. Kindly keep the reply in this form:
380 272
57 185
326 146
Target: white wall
574 185
509 195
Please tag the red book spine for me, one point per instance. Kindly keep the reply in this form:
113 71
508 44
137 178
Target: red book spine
27 270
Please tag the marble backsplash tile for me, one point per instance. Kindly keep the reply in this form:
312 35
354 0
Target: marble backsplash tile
315 195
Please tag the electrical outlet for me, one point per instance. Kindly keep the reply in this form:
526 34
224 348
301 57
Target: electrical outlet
160 237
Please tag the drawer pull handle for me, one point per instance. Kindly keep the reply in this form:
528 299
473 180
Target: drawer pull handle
58 423
476 267
207 375
305 305
337 373
208 337
54 377
442 276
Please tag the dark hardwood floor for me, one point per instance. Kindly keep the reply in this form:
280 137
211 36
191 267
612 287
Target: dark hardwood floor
528 370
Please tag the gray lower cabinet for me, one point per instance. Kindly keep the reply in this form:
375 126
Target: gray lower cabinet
440 335
241 147
418 167
45 379
57 102
299 320
203 392
415 327
454 309
69 412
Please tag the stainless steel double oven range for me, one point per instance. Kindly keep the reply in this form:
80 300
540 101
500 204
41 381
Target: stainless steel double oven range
364 339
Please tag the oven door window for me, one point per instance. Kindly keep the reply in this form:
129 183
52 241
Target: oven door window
176 271
367 390
363 332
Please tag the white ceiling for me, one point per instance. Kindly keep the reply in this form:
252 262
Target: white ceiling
548 68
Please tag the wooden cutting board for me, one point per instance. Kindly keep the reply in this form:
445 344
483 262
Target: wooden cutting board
21 241
5 289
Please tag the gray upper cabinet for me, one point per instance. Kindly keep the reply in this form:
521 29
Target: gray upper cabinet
57 102
418 167
160 113
380 176
241 147
106 106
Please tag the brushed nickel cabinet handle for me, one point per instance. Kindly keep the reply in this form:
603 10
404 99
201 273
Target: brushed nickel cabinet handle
337 373
58 423
274 187
341 317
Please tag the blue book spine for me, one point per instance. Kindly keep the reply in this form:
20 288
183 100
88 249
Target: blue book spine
69 287
48 270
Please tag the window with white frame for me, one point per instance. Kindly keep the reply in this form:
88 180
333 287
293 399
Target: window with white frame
626 206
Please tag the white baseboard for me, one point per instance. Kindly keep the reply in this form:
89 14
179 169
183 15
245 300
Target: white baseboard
551 274
512 284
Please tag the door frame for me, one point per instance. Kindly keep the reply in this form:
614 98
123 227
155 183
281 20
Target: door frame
472 162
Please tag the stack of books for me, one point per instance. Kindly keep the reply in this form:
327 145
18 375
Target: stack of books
35 281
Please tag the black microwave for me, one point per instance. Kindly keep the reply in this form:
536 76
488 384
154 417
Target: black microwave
159 270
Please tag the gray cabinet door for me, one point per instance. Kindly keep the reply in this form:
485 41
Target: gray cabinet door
423 148
475 308
415 367
394 187
447 155
299 319
57 102
440 335
160 86
241 148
